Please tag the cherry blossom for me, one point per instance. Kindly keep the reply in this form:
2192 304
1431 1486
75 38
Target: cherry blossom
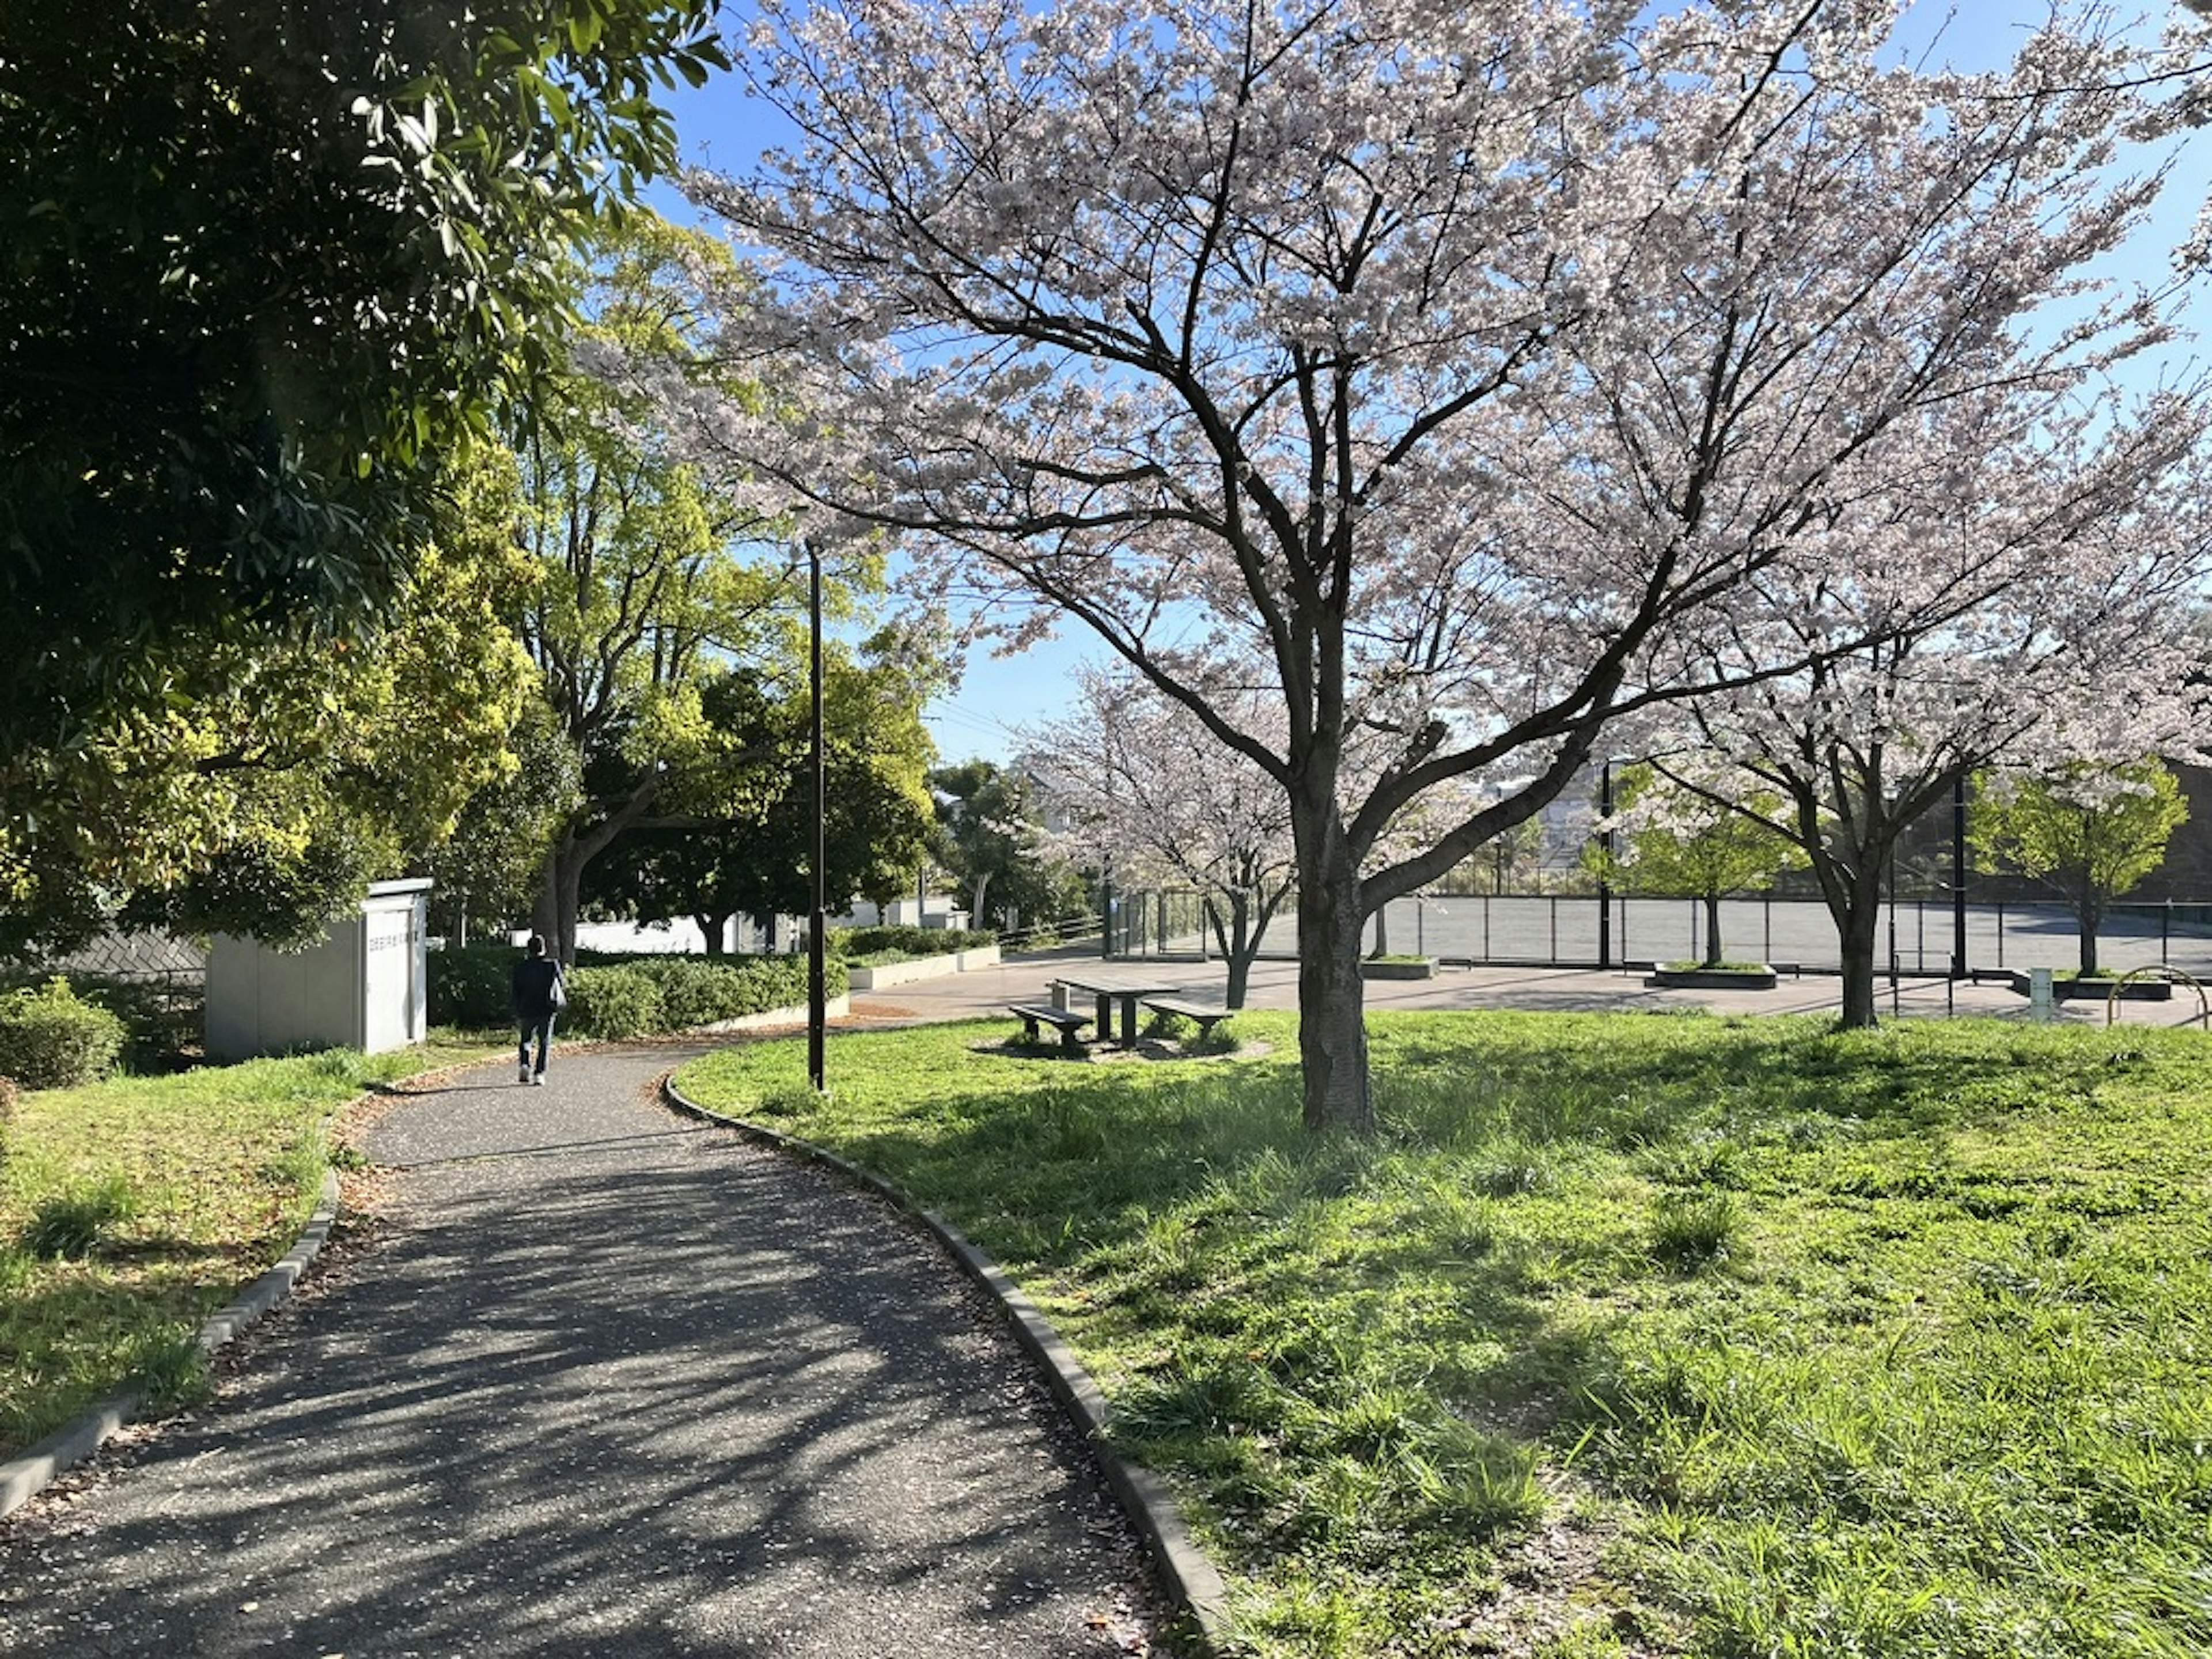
1487 370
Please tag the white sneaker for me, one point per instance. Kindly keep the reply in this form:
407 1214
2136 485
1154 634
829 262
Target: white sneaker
522 1075
538 1081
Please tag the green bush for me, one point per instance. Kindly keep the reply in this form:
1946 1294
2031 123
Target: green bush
163 1019
893 944
701 990
472 988
612 1002
694 991
50 1039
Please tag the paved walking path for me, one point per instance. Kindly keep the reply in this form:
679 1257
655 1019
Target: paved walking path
609 1384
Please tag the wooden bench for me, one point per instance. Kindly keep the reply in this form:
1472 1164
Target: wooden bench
1207 1015
1065 1021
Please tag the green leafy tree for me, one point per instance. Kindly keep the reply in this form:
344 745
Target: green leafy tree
269 276
264 268
751 852
990 839
654 578
1702 838
488 872
265 803
2089 834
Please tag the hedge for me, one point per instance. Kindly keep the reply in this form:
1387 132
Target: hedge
613 995
612 1002
891 943
50 1039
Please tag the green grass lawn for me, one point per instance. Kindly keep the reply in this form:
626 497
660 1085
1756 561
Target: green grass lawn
1630 1335
131 1211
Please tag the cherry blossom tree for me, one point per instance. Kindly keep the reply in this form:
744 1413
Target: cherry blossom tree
1469 366
2039 639
1138 783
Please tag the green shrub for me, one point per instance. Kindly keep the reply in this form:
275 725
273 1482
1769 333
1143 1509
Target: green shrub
472 988
164 1017
1170 1028
894 943
702 990
612 1002
50 1039
694 991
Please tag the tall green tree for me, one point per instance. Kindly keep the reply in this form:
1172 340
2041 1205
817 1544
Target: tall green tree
990 837
655 577
750 851
2090 834
335 761
488 870
264 268
268 273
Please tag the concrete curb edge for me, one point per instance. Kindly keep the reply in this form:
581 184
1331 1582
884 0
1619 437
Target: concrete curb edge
24 1476
1190 1579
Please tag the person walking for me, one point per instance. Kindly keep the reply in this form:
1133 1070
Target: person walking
538 995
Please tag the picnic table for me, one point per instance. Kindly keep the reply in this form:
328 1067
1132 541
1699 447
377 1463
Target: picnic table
1128 989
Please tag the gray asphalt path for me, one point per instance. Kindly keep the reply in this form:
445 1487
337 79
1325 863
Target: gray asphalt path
604 1383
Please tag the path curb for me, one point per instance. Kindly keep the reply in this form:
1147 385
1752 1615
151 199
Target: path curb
23 1477
1189 1579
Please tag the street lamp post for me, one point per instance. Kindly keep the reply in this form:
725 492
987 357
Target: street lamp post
817 963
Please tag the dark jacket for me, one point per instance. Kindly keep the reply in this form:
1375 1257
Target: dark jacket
535 980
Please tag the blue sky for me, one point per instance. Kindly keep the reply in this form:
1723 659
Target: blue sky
720 127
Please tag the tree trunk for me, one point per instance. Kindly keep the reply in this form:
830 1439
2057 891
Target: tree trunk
1332 997
560 888
1713 957
1238 946
545 908
716 930
2091 918
563 897
1857 929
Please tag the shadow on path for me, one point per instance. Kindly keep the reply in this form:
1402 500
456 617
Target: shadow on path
604 1386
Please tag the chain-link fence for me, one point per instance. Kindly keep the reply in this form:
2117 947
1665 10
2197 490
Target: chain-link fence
1917 937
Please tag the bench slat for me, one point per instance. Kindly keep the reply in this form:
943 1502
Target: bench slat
1204 1013
1065 1021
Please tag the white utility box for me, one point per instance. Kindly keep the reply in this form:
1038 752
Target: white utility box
365 986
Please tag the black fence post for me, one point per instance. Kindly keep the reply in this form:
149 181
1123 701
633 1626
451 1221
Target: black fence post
1605 869
1959 878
